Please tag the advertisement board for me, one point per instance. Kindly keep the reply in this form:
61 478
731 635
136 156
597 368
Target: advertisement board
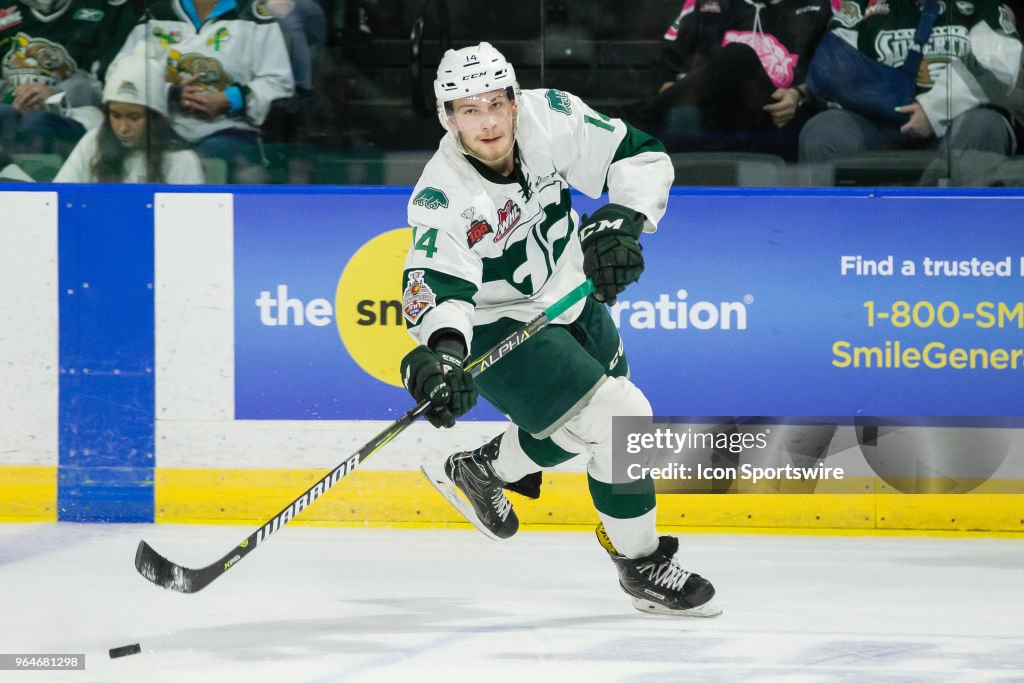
752 303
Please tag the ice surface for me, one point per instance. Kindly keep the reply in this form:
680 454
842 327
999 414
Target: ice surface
397 605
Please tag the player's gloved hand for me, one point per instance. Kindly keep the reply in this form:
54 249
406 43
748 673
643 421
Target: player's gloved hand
436 375
612 256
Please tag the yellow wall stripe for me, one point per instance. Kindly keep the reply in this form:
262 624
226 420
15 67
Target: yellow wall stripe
28 493
405 499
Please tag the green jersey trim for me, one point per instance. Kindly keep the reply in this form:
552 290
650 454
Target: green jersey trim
637 142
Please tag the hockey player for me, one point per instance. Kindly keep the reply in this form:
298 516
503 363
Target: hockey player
495 241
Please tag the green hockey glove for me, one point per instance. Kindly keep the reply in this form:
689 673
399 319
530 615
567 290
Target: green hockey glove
436 375
612 256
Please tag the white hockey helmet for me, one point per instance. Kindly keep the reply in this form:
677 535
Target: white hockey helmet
471 71
46 6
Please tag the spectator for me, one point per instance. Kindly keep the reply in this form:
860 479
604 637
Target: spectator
135 143
51 53
731 75
227 62
1016 9
305 29
1015 98
972 60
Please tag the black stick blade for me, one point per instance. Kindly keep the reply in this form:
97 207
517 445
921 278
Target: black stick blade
161 571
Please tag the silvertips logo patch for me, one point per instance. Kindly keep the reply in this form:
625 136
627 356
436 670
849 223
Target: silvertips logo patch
431 198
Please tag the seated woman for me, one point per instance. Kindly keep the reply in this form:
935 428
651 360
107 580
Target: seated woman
135 143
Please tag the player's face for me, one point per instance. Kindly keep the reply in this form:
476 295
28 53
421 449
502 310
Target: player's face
129 123
486 125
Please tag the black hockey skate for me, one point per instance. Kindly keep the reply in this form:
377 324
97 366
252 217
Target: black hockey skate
658 585
470 473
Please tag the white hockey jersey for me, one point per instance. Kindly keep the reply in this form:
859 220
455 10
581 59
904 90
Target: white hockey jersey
491 247
240 44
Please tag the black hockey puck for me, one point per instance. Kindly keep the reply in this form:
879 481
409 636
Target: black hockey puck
125 650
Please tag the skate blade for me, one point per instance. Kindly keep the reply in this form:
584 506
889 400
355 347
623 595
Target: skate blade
439 480
708 609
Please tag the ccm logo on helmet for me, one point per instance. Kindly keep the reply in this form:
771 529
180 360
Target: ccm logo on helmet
466 78
600 226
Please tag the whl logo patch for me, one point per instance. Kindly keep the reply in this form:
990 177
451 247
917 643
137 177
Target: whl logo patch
508 218
876 7
431 198
9 17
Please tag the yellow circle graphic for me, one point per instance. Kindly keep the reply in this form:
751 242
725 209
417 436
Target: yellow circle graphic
368 306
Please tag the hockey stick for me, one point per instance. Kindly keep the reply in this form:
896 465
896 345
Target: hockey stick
163 572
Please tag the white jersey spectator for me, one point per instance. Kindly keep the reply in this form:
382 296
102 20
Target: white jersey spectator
227 63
